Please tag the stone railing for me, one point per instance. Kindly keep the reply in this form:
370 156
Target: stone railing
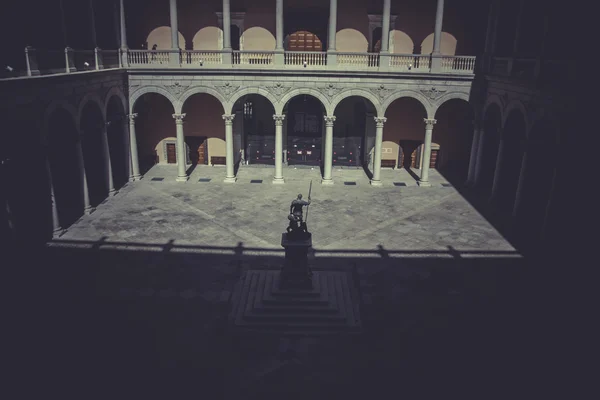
45 62
305 58
252 58
458 64
199 58
410 62
358 60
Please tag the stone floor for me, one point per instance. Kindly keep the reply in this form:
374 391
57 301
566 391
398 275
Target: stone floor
147 283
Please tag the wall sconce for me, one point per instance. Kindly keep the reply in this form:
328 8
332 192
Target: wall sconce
409 67
201 62
304 63
86 64
9 68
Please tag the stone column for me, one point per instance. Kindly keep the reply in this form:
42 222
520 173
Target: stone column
328 159
93 24
278 148
498 171
87 207
376 180
424 181
174 56
279 51
474 154
384 53
479 159
181 156
106 154
331 48
31 62
519 193
57 230
226 33
133 150
229 160
436 55
123 31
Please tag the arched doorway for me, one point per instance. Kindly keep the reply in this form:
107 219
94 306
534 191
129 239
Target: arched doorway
154 125
510 161
304 130
256 129
117 141
64 166
490 144
453 133
350 132
204 130
96 166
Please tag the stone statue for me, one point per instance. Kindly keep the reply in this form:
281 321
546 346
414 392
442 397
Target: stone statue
297 225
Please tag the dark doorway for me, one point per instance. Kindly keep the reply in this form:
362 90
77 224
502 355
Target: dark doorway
235 37
171 154
198 149
305 131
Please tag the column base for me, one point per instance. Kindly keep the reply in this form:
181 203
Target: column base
182 178
112 192
230 179
424 184
58 232
134 178
278 181
327 182
88 210
375 183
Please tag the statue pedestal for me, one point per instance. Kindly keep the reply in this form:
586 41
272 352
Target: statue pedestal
295 273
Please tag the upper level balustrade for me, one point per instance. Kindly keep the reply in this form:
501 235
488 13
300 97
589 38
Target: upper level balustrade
45 62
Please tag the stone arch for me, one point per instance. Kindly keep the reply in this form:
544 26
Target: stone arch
447 44
450 96
115 91
246 91
297 92
161 36
494 99
50 109
133 98
351 40
516 105
90 98
360 93
178 104
409 93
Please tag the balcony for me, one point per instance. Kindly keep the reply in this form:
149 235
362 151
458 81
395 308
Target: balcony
48 62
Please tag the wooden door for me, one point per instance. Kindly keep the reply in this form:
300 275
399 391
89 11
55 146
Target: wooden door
171 154
202 153
304 41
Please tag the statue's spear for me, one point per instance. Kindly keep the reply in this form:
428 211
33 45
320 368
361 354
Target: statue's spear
309 190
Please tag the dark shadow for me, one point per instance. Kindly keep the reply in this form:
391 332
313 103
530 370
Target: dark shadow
191 169
367 171
236 167
412 174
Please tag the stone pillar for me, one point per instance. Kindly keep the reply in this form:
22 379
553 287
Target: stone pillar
279 56
424 181
498 171
98 58
31 62
123 31
474 154
490 38
229 160
522 176
133 151
328 159
436 55
69 60
376 180
384 54
331 48
87 207
278 148
181 153
479 160
226 33
93 24
57 230
106 154
174 55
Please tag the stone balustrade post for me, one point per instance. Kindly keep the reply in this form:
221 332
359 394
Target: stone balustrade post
31 61
69 60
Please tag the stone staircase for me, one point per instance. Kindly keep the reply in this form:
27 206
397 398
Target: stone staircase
330 306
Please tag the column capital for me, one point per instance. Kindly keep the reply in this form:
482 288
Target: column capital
278 119
329 120
379 121
179 118
429 123
132 117
228 118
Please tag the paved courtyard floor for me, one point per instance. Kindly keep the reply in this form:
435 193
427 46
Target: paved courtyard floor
148 280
